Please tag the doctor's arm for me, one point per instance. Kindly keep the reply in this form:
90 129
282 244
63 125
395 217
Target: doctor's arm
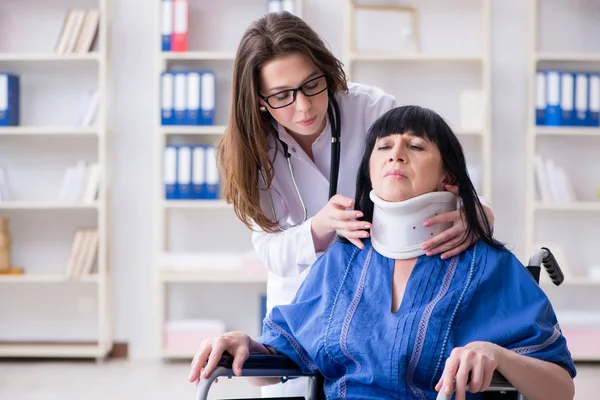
450 242
291 251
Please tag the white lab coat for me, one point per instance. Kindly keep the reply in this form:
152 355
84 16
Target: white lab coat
288 255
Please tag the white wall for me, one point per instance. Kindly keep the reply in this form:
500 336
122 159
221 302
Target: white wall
132 126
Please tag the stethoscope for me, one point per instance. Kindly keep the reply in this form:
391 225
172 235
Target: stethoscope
333 113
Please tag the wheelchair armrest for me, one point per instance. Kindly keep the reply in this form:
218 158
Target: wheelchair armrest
263 364
257 365
499 383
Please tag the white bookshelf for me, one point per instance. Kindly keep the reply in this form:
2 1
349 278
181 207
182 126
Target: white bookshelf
35 156
208 229
435 74
49 131
49 57
556 39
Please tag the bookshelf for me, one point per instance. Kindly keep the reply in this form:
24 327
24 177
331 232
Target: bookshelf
201 250
435 70
557 32
72 314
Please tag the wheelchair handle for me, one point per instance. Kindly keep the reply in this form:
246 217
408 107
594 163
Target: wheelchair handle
544 257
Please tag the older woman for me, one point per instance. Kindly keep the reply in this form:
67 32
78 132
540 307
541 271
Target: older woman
388 321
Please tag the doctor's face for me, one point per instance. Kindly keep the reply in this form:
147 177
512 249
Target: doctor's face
405 166
306 115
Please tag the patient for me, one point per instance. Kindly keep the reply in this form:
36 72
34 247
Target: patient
390 322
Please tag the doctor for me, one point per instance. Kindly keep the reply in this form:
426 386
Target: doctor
291 151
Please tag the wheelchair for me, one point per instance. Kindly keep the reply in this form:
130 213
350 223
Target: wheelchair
281 366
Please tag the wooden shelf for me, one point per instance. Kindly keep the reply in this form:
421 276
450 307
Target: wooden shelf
573 57
40 350
197 204
33 205
39 278
207 275
48 130
37 57
578 206
567 131
193 130
199 55
368 56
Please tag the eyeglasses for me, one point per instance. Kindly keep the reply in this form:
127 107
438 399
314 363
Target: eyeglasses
286 97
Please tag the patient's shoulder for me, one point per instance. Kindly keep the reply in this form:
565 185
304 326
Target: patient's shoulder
500 265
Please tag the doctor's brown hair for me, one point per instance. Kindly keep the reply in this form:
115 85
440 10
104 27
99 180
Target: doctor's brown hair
244 146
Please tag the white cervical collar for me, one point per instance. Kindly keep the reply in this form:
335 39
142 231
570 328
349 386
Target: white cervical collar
397 230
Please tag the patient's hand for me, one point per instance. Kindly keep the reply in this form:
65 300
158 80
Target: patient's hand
449 242
238 344
479 359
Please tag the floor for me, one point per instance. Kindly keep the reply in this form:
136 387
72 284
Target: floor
120 380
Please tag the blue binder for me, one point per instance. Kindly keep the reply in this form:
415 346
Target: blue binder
582 108
167 98
184 172
167 25
594 99
199 172
192 107
540 98
10 99
170 172
552 98
212 174
567 98
180 100
208 97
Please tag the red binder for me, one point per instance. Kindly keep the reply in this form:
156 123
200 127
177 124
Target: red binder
181 12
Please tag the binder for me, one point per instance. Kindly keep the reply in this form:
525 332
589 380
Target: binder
567 98
184 172
10 99
553 98
170 172
193 98
594 114
540 98
212 174
180 97
274 6
180 25
581 99
199 172
208 90
167 25
167 99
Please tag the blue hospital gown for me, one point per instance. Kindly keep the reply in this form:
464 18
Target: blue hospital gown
341 324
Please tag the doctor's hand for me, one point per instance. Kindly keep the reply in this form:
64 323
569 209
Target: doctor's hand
335 217
449 242
477 361
238 344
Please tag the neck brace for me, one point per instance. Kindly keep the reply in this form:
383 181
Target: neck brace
397 230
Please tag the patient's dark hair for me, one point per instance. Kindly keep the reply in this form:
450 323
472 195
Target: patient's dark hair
426 124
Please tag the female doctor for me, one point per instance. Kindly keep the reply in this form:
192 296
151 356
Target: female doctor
291 151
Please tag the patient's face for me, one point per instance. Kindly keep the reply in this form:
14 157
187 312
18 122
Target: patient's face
405 166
